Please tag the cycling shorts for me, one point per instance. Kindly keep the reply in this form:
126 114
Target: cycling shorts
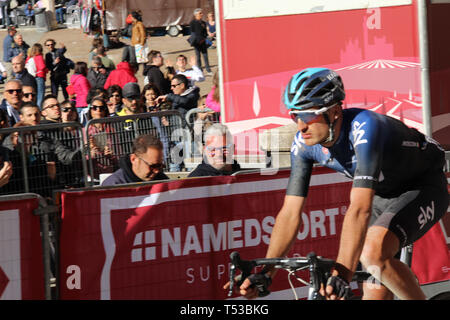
410 215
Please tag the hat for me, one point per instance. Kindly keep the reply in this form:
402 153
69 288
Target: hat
131 89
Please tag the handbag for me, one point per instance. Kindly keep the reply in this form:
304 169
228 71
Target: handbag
141 53
31 67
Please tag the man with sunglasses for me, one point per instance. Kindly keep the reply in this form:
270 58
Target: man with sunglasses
50 109
56 62
217 153
399 188
145 163
29 94
12 100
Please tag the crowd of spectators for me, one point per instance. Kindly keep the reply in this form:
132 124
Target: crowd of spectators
98 89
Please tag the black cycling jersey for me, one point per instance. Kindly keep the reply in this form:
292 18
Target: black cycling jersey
375 150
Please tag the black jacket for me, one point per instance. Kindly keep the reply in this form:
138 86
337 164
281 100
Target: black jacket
185 101
204 170
199 33
156 77
26 78
97 79
126 175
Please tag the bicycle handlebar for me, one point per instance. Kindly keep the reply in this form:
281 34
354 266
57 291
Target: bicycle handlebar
315 263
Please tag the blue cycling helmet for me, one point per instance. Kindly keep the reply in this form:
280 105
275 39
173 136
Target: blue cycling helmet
313 87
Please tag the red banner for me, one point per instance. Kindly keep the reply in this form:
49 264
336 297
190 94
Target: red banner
173 240
21 262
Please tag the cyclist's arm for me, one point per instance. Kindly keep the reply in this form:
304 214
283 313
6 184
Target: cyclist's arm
286 228
354 231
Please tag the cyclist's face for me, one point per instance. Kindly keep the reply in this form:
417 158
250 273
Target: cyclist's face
313 132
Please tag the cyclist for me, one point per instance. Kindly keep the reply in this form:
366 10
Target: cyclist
399 188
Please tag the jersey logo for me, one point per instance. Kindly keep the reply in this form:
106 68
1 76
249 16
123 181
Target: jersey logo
358 133
426 215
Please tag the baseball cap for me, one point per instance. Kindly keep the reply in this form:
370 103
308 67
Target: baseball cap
131 89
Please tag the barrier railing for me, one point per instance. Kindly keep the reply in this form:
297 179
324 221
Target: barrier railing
110 138
45 157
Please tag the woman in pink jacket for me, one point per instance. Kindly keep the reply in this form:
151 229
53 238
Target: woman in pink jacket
80 85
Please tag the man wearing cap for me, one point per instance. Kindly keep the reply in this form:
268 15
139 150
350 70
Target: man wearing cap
131 96
145 163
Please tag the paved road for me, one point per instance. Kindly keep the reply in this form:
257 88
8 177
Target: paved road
79 44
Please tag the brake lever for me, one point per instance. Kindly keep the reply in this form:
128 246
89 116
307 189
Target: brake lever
245 266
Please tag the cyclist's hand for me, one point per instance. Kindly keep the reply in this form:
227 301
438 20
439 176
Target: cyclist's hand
245 289
337 288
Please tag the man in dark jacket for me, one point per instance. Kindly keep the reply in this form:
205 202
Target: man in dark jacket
183 98
19 72
199 34
145 163
154 74
217 153
97 74
57 63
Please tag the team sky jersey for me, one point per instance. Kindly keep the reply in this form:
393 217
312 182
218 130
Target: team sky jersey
375 150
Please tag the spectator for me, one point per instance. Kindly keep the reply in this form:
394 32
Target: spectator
114 102
3 73
148 101
18 47
138 32
154 75
131 100
19 72
123 74
39 5
29 14
213 98
30 114
198 36
183 97
138 36
60 9
95 43
81 85
101 144
148 98
211 28
50 109
97 73
194 73
69 113
145 163
29 94
36 63
217 153
204 120
4 11
106 61
93 93
8 41
57 63
12 100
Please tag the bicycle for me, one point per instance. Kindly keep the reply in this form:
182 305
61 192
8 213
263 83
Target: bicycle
319 271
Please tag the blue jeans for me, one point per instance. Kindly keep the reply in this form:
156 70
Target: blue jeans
60 15
5 15
40 90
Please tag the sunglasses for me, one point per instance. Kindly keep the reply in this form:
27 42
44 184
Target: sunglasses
155 166
224 149
29 94
67 109
115 95
11 91
101 108
175 85
308 116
